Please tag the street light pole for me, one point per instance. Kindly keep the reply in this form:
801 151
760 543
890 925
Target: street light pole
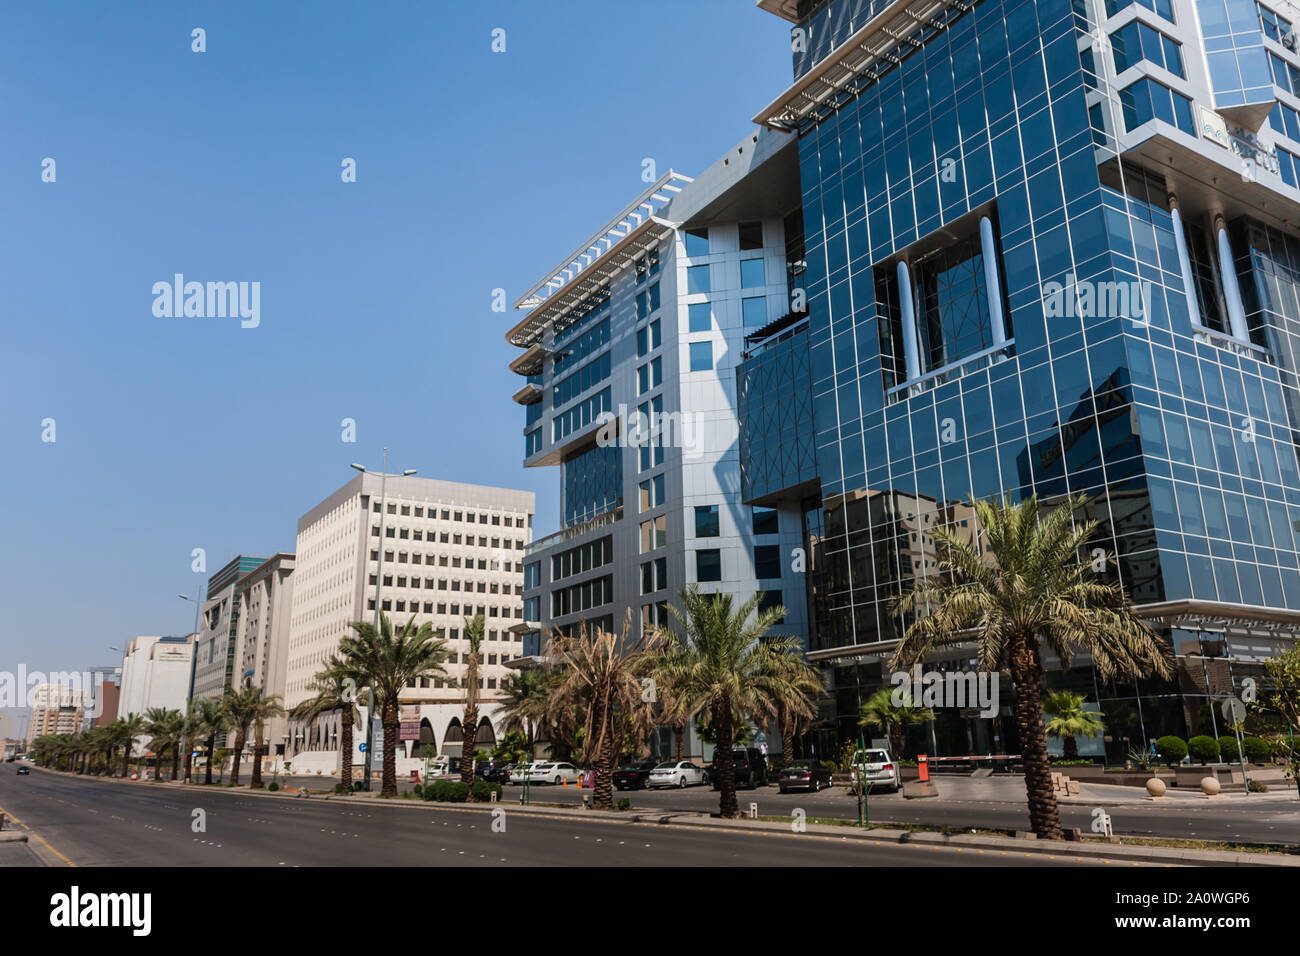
379 581
189 697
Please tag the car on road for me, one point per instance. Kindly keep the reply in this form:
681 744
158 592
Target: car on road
803 775
877 769
749 766
519 773
676 773
493 771
555 773
633 776
24 770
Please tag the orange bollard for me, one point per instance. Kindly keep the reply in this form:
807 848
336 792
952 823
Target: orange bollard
923 767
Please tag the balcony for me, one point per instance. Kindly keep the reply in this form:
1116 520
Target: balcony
576 531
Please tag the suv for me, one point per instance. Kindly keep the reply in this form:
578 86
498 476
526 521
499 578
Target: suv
877 769
749 765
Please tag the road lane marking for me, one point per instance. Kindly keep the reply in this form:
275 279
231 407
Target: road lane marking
44 841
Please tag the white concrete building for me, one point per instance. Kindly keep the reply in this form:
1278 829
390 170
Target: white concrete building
56 709
265 600
155 673
449 551
218 645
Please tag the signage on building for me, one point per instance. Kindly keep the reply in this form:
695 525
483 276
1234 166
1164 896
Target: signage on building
1213 127
409 722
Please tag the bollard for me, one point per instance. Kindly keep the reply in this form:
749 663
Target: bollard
586 801
493 798
753 811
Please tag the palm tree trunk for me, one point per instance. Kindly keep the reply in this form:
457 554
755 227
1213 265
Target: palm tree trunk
1027 673
256 782
602 797
126 760
469 733
787 735
896 740
728 806
239 752
1070 747
345 753
176 758
207 771
389 788
679 736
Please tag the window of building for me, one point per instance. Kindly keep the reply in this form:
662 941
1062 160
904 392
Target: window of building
701 356
649 376
652 492
1146 100
654 575
1136 42
765 520
697 279
767 561
697 242
751 274
700 316
751 236
708 565
654 533
754 310
647 339
769 600
706 521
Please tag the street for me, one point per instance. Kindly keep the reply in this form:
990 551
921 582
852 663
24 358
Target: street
93 822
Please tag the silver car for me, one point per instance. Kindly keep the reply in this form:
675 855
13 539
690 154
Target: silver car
878 770
676 773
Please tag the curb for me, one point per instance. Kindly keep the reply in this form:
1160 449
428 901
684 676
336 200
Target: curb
12 836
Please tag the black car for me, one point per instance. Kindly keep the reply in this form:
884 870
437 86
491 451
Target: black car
803 775
633 776
749 766
23 770
493 771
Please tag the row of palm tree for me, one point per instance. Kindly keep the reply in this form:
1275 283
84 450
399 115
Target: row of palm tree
169 731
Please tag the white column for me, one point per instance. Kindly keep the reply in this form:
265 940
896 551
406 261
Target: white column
992 284
1231 290
911 355
1184 263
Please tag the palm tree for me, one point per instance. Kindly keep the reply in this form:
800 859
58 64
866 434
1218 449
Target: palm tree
1032 588
263 708
720 665
390 661
166 727
1070 720
879 712
240 707
805 683
604 671
207 722
469 721
128 728
520 710
335 689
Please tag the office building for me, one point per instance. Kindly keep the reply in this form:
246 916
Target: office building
1051 247
265 600
630 348
217 656
448 551
155 673
56 709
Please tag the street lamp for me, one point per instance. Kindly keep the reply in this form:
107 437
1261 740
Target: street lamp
379 581
194 656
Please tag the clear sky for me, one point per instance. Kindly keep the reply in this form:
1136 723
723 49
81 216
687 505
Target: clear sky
475 170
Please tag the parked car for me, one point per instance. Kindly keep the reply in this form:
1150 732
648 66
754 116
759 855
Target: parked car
878 769
556 773
633 776
521 771
676 773
750 768
803 775
24 770
493 771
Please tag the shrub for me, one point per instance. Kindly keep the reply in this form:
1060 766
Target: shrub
624 803
1171 749
358 786
1256 749
273 786
338 788
1228 749
1203 748
483 790
1257 786
446 791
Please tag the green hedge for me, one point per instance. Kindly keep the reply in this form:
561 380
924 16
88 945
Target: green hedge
1203 748
453 791
1171 749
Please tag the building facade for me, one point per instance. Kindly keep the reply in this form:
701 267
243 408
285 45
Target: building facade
1051 248
448 551
264 597
217 662
630 350
156 672
56 709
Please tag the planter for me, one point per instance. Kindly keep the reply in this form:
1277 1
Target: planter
1189 777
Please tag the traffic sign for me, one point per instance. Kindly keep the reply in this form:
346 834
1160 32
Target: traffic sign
363 746
1234 711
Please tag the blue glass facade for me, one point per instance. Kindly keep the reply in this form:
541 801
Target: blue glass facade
1109 377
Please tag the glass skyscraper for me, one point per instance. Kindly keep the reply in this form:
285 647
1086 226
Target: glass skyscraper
1048 247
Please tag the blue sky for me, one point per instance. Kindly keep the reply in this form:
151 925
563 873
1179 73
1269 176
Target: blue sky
475 170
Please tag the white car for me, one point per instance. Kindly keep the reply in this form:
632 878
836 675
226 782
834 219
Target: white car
521 772
676 773
556 773
878 769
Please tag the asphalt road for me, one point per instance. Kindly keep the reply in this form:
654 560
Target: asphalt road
1266 819
93 822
